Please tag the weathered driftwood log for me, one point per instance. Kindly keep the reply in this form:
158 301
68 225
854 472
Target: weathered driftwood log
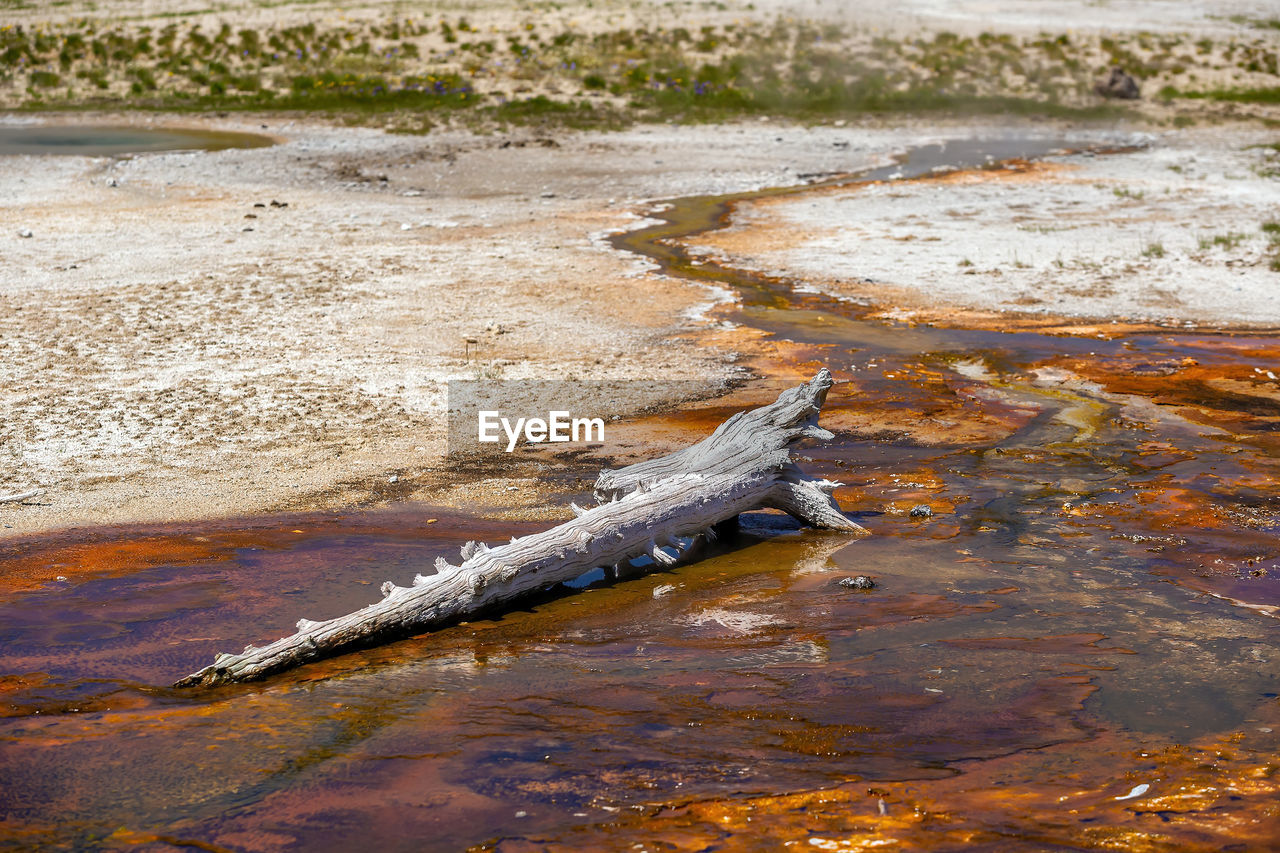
757 432
650 509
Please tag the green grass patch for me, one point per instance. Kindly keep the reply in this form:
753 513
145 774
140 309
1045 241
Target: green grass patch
44 79
543 111
1226 241
697 98
1270 95
1272 230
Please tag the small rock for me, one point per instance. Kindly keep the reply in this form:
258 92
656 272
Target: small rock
1118 84
25 232
548 194
1074 485
860 582
921 511
393 479
1137 791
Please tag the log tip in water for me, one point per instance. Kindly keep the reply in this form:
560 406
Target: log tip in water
210 676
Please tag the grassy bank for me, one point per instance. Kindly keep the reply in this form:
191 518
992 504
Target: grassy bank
411 73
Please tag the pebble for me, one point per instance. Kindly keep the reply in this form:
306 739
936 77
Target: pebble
1138 791
860 582
921 511
24 232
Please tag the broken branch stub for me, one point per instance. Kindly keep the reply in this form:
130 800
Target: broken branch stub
792 416
646 509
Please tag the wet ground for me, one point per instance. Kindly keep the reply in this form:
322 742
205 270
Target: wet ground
1075 649
105 141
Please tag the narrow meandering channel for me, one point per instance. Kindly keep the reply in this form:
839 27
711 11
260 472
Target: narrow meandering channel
1100 510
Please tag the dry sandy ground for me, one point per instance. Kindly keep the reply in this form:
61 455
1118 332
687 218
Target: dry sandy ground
174 345
1215 17
1169 234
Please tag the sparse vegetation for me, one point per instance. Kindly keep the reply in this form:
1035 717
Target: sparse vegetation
1267 95
1272 230
1260 23
1153 250
1270 165
400 67
1225 241
405 66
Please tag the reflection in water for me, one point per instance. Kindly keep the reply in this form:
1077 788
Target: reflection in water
1037 649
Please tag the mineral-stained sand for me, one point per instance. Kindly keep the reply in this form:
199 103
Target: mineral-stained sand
193 335
1170 234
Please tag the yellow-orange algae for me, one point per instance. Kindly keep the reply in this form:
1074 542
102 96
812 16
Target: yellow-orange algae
1202 798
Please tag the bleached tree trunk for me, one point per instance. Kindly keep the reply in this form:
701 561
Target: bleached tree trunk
650 509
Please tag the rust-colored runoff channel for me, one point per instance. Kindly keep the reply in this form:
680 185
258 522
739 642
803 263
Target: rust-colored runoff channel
1076 649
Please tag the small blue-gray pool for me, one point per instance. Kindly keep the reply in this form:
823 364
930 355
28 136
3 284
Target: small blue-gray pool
107 141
